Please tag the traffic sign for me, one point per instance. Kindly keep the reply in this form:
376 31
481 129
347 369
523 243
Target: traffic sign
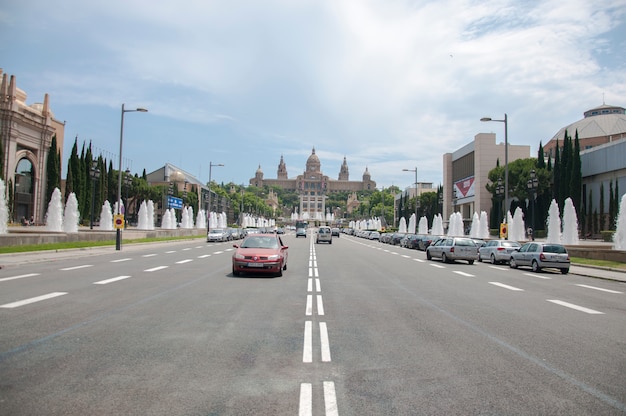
504 231
174 202
118 221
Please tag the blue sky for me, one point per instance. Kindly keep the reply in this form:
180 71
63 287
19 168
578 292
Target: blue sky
389 84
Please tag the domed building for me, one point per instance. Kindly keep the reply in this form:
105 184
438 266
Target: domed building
313 185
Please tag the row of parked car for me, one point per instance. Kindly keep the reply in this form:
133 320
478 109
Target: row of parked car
230 234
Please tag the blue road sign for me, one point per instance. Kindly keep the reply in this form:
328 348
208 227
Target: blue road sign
174 202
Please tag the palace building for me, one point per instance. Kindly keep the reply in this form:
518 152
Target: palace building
313 185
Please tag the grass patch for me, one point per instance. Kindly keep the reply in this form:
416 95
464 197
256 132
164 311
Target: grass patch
602 263
86 244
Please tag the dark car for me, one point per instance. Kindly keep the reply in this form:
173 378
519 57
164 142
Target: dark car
539 255
260 253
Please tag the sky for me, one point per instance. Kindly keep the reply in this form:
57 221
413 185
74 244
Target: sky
387 84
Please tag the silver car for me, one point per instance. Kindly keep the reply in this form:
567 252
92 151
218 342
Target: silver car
218 234
541 255
449 249
497 251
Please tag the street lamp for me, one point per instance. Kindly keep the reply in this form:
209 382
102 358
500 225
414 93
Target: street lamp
95 175
506 160
127 181
208 222
414 170
118 234
533 185
500 193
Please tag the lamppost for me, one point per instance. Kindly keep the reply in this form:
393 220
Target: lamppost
500 193
533 185
118 234
208 222
127 181
506 160
414 170
95 175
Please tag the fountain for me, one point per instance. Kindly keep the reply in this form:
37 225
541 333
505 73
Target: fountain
106 217
402 226
437 225
412 221
4 211
475 226
455 226
54 215
553 223
517 230
185 219
483 232
570 223
201 219
143 222
71 216
619 238
423 226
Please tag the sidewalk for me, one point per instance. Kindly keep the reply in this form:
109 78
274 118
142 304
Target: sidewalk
598 272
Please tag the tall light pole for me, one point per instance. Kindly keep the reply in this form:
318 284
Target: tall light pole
533 185
414 170
506 161
118 234
208 222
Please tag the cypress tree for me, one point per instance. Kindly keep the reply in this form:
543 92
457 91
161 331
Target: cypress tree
53 169
73 167
1 158
590 212
565 171
601 213
576 187
611 204
556 173
541 162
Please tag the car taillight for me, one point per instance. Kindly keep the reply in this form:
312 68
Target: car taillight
500 249
542 257
451 249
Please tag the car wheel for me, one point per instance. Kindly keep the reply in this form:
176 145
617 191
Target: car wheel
330 242
444 258
564 271
280 272
480 259
285 266
512 263
536 267
428 256
470 262
235 273
493 259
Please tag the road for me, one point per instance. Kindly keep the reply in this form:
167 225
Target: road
352 328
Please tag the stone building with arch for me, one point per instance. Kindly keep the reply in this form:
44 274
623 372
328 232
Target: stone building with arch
26 133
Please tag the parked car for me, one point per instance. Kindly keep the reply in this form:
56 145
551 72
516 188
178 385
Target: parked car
260 253
497 251
324 235
374 235
540 255
409 241
449 249
301 232
218 234
427 240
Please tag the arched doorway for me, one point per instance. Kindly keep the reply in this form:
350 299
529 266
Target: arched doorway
24 183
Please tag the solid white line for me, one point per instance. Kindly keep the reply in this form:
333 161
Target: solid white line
19 277
120 260
77 267
33 300
154 269
149 255
538 276
115 279
184 261
306 399
599 288
307 352
204 256
330 399
439 266
308 310
309 285
463 273
324 342
506 286
318 287
320 305
576 307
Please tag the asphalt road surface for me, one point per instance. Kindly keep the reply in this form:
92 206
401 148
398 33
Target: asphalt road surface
353 328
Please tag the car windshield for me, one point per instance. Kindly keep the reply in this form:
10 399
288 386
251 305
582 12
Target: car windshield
554 249
260 242
510 244
216 231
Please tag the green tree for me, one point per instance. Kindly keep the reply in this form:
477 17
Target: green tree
576 175
556 173
53 169
601 213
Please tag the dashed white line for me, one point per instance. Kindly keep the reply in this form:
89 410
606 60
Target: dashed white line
419 260
306 399
308 310
538 276
154 269
21 276
320 305
218 252
330 399
463 273
77 267
439 266
170 252
186 249
307 352
309 285
406 257
107 281
121 260
599 288
506 286
33 300
498 268
318 287
184 261
149 255
324 342
575 307
204 256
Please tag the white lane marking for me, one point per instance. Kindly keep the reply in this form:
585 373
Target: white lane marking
307 352
309 285
310 271
498 268
599 288
308 310
149 255
406 257
320 305
439 266
229 249
419 260
314 263
318 287
538 276
170 252
77 267
199 247
33 300
154 269
115 279
316 273
306 399
324 342
462 273
184 261
218 252
186 249
21 276
204 256
506 286
394 253
120 260
576 307
330 399
310 263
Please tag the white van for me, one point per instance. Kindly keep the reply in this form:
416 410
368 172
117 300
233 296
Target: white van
324 234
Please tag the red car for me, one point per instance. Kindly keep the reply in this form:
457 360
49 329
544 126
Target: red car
260 253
